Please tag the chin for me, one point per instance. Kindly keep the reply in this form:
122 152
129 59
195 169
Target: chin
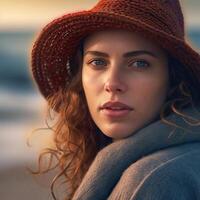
118 133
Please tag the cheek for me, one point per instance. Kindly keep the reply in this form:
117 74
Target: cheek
92 81
91 87
150 91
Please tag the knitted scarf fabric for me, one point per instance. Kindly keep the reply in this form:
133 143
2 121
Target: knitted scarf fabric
114 159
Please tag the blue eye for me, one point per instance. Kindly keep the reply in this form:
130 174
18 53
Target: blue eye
140 64
98 62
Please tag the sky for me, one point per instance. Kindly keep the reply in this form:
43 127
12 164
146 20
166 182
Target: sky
36 13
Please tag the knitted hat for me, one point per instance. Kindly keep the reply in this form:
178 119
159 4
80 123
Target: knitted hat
159 20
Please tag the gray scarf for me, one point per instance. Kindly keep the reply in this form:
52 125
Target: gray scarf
112 160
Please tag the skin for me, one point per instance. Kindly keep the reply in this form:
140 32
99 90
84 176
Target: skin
140 81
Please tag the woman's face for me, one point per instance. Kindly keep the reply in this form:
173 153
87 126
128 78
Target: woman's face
121 66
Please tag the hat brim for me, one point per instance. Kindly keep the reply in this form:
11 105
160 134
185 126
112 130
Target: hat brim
58 42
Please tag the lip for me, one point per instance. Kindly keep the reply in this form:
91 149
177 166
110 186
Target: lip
124 109
113 104
115 113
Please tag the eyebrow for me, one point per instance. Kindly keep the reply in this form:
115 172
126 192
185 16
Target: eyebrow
126 55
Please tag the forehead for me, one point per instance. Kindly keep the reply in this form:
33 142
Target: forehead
119 39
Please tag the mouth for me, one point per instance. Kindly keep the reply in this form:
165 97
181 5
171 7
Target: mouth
111 112
115 105
115 109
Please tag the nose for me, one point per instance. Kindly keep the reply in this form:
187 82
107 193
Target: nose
115 82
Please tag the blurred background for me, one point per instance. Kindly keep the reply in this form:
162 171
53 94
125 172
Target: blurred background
21 106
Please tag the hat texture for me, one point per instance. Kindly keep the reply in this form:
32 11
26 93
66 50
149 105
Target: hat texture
159 20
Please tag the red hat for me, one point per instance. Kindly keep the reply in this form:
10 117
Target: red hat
158 20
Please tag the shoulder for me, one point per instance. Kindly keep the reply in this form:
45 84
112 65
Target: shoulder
172 173
177 178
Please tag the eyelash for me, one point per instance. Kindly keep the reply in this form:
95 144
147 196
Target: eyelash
143 68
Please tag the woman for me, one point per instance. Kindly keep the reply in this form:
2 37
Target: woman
124 85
